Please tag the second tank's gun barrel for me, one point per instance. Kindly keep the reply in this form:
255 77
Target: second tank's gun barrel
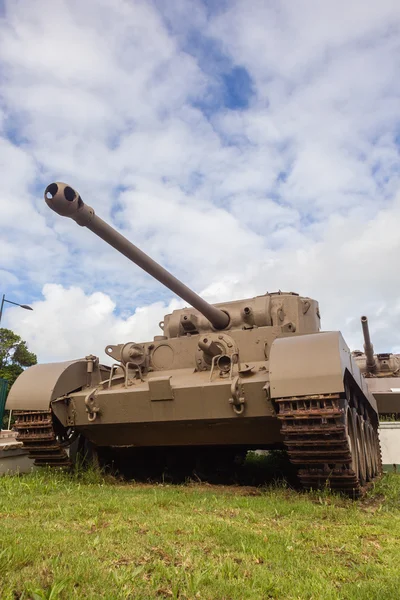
368 347
65 201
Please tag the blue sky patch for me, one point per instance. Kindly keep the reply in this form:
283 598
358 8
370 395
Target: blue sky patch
238 88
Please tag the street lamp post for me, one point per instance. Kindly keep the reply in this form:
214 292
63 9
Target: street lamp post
15 304
4 299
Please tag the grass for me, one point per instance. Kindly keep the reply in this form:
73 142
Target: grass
84 536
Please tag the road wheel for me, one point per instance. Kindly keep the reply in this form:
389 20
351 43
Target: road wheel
352 440
361 448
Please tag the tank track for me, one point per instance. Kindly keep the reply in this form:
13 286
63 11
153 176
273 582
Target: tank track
331 440
37 433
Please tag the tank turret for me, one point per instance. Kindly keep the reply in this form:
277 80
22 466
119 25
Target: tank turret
383 365
283 313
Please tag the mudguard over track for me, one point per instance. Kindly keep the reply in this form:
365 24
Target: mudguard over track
31 396
39 385
329 420
313 364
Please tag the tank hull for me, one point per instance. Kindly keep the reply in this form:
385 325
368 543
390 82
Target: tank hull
165 398
308 396
386 391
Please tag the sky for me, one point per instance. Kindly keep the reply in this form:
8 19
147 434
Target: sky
246 146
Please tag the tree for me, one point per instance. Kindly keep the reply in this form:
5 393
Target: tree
14 356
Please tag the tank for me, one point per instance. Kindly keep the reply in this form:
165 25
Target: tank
219 380
382 374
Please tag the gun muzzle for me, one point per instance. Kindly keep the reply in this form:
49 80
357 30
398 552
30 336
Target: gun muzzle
65 201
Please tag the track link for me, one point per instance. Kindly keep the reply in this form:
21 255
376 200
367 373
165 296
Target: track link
319 435
36 432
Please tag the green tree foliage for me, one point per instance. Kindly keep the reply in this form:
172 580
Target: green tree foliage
14 356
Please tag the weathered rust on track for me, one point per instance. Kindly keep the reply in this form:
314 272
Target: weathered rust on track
331 441
36 432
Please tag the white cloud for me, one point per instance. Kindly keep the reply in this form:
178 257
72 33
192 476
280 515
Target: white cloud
296 191
68 323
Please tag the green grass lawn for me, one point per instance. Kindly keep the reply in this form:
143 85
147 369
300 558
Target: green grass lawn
81 536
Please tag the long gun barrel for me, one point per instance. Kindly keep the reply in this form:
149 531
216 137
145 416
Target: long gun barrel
65 201
368 347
